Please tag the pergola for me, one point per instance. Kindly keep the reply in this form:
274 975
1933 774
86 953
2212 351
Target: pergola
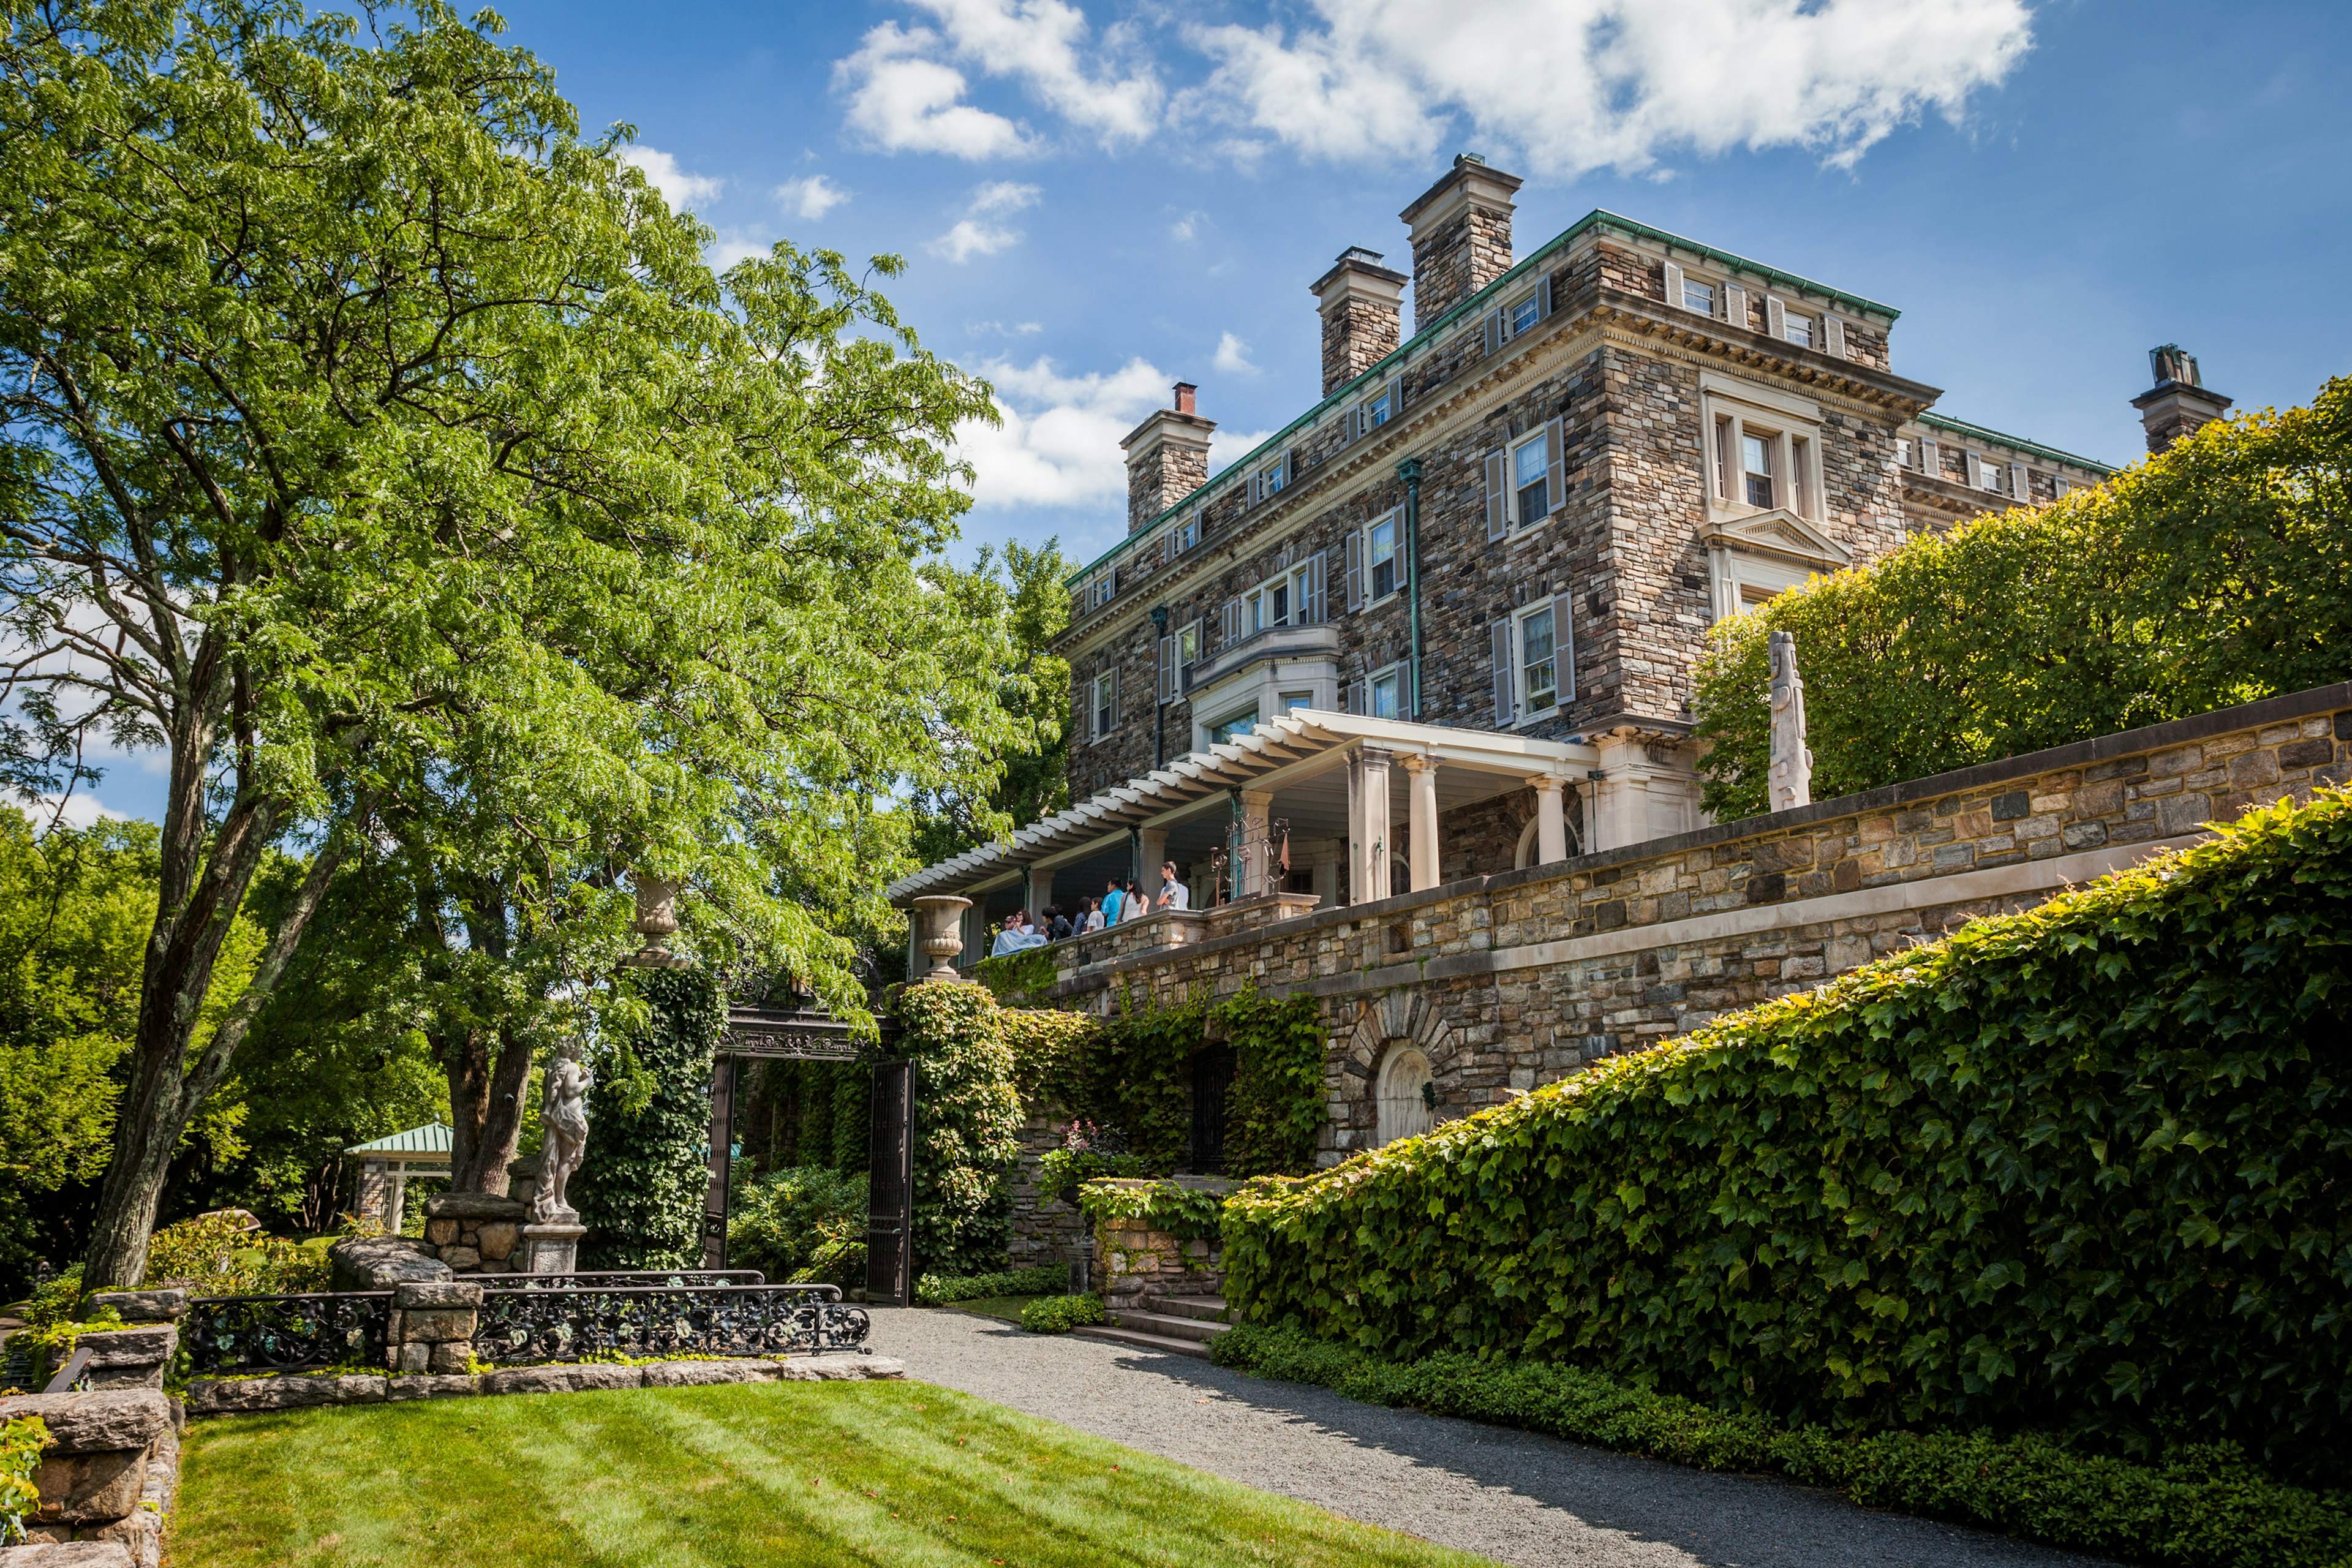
1308 787
387 1162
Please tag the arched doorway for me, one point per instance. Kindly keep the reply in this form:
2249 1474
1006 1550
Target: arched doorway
1405 1095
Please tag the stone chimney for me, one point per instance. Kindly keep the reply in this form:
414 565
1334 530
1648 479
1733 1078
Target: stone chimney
2179 403
1461 236
1167 458
1361 303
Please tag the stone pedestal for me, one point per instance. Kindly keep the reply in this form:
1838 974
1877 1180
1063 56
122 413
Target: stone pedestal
552 1248
475 1233
432 1327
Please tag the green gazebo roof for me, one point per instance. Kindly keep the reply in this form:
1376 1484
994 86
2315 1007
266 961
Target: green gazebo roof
433 1138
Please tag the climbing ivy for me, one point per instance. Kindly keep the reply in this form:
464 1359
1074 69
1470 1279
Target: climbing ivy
640 1188
1275 1106
967 1127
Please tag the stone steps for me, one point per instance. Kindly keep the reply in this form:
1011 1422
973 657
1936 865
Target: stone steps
1179 1325
1143 1341
1207 1309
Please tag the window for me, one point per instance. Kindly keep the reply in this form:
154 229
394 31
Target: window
1241 724
1102 703
1387 691
1384 407
1384 557
1528 471
1524 314
1406 1096
1099 591
1269 605
1698 297
1273 480
1539 660
1188 651
1756 465
1906 455
1187 534
1799 330
1293 599
1293 700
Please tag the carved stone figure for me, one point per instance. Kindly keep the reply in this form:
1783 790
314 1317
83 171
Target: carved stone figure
564 1124
1791 779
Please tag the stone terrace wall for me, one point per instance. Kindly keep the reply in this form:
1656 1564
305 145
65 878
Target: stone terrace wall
1514 980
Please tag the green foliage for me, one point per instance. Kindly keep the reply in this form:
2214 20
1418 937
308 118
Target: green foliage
1182 1212
1013 976
56 1302
1049 1053
21 1442
931 1291
802 1219
1060 1314
2199 1508
2216 572
852 1118
967 1127
1276 1105
1061 1168
218 1255
2085 1168
640 1188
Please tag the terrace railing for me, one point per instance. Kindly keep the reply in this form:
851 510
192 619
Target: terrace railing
281 1332
530 1324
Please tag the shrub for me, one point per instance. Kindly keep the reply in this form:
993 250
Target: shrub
1183 1213
640 1188
2215 572
21 1442
1275 1106
1060 1314
2088 1167
2201 1507
1042 1279
222 1255
968 1130
1048 1050
798 1225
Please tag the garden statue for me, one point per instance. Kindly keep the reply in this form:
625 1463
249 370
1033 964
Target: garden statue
1791 781
563 1125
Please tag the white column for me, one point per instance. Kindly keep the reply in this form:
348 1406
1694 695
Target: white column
1326 856
1421 776
395 1213
1155 850
1368 826
1647 790
1551 824
1041 889
1256 873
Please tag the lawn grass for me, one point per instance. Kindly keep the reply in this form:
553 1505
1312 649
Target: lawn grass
1005 1306
899 1475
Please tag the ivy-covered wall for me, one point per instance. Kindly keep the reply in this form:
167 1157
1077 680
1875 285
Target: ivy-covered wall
641 1187
2084 1168
967 1127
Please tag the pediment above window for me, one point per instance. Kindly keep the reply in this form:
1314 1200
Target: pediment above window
1781 534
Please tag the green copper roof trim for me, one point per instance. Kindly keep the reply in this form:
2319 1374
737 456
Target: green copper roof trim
1598 218
1962 428
433 1138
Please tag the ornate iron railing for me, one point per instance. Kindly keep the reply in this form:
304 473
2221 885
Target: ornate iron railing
345 1327
612 1278
531 1324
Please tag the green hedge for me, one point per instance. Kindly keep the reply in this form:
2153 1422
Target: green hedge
2201 1508
967 1127
1040 1279
2086 1168
1060 1314
640 1188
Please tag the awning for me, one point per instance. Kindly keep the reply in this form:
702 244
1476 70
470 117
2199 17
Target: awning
1290 750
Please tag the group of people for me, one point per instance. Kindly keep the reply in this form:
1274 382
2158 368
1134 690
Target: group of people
1125 900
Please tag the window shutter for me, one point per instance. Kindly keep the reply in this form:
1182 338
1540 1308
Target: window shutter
1349 421
1396 396
1167 542
1229 624
1563 644
1543 297
1289 471
1495 332
1556 472
1735 305
2021 485
1316 607
1931 458
2059 484
1498 520
1500 636
1352 572
1082 703
1975 465
1356 703
1674 287
1833 337
1168 670
1775 318
1111 701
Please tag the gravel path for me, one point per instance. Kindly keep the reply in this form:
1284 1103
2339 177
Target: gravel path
1515 1496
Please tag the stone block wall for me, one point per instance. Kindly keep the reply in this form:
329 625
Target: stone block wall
1136 1262
1044 1228
1513 980
111 1473
475 1233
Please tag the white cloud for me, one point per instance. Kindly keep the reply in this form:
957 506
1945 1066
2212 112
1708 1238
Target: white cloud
810 198
1232 356
1594 83
903 100
1046 45
1058 444
1227 448
1190 224
81 810
976 234
678 188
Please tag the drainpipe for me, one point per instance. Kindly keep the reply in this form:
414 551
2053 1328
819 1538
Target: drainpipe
1410 472
1159 709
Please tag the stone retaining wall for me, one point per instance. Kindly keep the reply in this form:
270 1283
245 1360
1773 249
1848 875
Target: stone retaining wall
1509 981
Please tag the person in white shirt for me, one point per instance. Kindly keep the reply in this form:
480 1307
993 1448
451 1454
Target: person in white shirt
1173 894
1094 916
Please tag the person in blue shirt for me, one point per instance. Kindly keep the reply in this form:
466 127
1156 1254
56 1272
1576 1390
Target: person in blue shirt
1111 901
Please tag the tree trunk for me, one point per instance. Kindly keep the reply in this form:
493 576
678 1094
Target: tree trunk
485 1111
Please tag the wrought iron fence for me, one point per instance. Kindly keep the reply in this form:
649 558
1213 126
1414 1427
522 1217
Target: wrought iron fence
329 1328
531 1324
610 1279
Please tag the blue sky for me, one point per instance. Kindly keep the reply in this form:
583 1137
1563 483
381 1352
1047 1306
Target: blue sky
1095 201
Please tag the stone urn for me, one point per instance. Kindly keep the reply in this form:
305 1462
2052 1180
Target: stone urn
940 932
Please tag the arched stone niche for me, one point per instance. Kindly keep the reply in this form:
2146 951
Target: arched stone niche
1397 1034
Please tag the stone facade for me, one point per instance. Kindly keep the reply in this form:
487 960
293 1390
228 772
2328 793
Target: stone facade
110 1475
1509 980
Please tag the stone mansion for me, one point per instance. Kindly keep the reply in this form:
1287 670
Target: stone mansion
1488 555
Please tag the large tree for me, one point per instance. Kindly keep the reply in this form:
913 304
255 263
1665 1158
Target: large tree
384 452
